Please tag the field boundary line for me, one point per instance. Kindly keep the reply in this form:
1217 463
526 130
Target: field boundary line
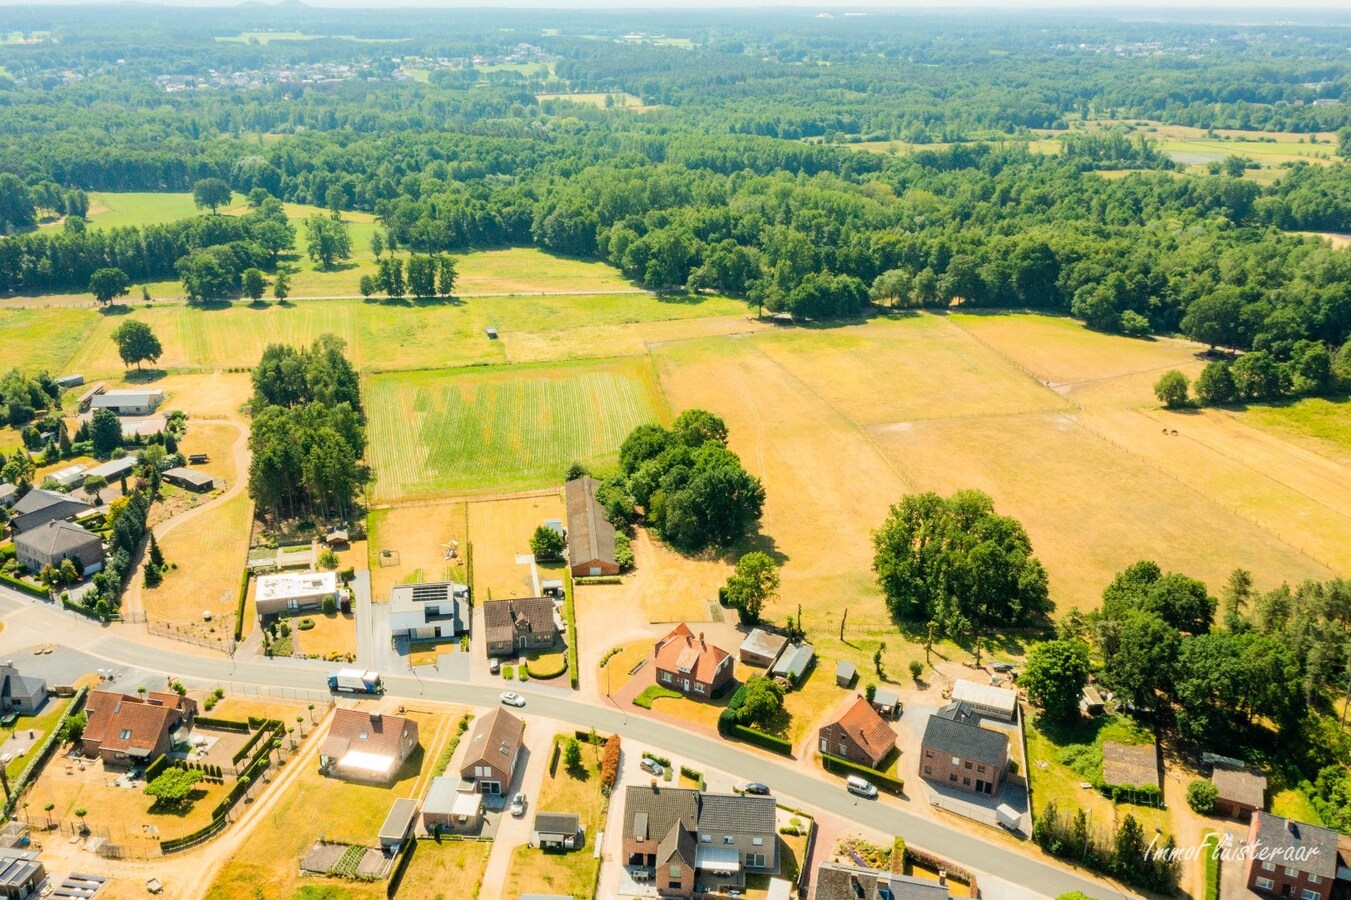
486 497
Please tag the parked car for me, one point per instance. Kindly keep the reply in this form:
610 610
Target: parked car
1002 667
860 786
518 806
495 666
652 766
752 787
512 699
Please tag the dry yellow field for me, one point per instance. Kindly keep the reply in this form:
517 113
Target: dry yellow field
330 634
417 535
501 530
209 554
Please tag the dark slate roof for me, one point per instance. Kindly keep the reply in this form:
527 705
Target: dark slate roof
495 741
840 882
653 810
57 538
736 813
591 537
952 731
1299 845
677 847
563 824
536 614
39 506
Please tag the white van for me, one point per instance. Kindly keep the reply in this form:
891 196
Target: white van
860 786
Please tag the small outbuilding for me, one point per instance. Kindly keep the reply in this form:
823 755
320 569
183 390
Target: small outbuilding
338 537
762 648
9 495
845 673
1242 793
398 824
69 381
491 331
794 662
190 479
887 703
557 831
70 476
114 469
1091 702
88 396
990 701
1129 766
452 805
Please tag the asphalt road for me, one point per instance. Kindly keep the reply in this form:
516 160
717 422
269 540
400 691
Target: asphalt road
968 848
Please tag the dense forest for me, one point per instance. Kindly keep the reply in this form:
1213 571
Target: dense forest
738 177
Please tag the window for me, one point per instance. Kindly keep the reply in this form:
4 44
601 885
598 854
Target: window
699 688
666 677
928 754
361 735
1314 879
126 734
844 748
1265 884
757 842
968 764
1268 866
966 781
728 839
1310 895
980 769
956 761
952 776
675 873
755 860
705 838
928 770
1291 873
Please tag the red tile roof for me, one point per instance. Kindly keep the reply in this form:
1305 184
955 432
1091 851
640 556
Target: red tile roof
680 651
127 724
867 729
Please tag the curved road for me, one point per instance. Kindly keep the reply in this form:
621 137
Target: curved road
968 848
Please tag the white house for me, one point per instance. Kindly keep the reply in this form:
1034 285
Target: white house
293 591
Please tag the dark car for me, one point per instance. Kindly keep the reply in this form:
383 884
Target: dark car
752 787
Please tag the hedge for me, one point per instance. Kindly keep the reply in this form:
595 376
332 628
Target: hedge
30 590
158 765
239 607
1211 844
45 748
7 552
191 840
86 611
570 611
881 780
599 579
548 667
760 739
728 718
223 724
406 852
443 761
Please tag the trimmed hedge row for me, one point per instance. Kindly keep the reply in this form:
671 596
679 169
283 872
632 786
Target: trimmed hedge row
239 607
30 590
44 751
173 845
570 610
881 780
600 579
557 667
157 765
87 611
760 739
223 724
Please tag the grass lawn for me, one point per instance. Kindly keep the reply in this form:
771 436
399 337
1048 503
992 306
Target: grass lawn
811 700
316 806
1294 804
330 635
415 537
210 554
692 711
442 869
48 338
572 873
503 428
547 664
1322 425
622 100
500 531
654 692
42 723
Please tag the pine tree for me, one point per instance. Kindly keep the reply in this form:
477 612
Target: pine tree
156 556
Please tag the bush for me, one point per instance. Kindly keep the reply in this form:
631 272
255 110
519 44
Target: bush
1201 796
656 692
509 672
881 780
239 606
609 764
769 742
329 607
547 665
305 624
916 669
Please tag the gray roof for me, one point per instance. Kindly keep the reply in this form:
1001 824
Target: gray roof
846 670
885 697
590 534
8 490
1299 845
1241 786
654 810
39 499
953 732
113 468
192 476
500 617
736 813
674 817
763 643
17 867
127 398
399 820
794 660
839 882
57 538
441 795
12 684
561 824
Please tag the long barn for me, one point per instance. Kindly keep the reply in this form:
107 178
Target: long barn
591 537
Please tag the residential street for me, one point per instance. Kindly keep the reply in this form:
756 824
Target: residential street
29 622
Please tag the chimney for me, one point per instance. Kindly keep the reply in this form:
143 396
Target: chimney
701 639
1291 827
942 879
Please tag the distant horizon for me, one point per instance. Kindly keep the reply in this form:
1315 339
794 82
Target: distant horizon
1279 13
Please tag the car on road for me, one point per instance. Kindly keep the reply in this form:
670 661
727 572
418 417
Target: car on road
652 766
518 806
512 699
860 786
752 787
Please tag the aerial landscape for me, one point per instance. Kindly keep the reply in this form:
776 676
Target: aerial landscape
807 452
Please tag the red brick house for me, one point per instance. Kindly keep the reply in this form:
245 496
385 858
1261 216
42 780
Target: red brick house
690 664
367 746
492 751
126 731
860 735
1291 859
958 753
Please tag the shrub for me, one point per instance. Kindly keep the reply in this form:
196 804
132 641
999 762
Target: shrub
609 764
508 672
916 669
881 780
329 607
305 624
1201 796
572 753
769 742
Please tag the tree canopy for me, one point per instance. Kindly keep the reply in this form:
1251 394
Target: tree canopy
136 343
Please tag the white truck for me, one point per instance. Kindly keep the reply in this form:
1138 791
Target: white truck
355 681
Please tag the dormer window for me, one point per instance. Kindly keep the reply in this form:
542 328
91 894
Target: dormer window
126 734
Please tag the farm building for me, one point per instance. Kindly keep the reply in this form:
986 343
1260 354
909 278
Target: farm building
1242 793
38 507
591 537
493 749
398 824
367 746
190 479
762 648
128 402
69 381
19 693
794 662
124 730
557 831
338 537
959 754
293 591
860 735
424 612
1129 766
142 428
114 469
452 805
691 665
50 544
87 398
70 476
529 623
845 673
9 495
986 699
887 702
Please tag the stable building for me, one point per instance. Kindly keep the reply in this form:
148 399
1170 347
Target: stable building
591 537
128 402
113 470
189 479
291 592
